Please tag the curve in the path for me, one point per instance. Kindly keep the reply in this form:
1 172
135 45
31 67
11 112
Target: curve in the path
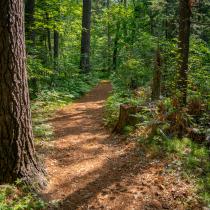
88 168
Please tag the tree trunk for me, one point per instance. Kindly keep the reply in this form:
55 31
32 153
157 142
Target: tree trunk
56 44
49 42
115 51
56 49
49 37
109 59
184 35
126 117
156 77
85 41
17 154
29 19
134 24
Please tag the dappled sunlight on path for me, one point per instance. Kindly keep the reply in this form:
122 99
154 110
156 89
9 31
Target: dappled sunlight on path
89 168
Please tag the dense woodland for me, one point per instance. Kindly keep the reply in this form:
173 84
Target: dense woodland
155 54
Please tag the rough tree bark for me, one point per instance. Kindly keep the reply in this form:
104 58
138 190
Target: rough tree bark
17 154
126 117
85 40
184 35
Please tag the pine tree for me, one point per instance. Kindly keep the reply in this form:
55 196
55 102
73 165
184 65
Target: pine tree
17 154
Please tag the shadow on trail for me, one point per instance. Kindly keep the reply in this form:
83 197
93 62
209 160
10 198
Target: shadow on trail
112 172
83 126
89 168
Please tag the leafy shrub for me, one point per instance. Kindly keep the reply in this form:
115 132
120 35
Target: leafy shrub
112 106
112 109
13 198
131 74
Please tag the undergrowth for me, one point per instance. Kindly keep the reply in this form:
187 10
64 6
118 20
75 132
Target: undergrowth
158 132
189 159
116 99
16 198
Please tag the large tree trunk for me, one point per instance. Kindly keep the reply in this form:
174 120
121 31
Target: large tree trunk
85 41
17 154
184 35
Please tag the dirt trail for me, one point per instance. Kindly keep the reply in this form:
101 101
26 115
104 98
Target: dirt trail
89 168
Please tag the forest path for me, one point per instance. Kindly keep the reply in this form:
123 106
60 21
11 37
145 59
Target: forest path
89 168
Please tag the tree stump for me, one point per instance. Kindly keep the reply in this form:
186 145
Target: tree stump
126 117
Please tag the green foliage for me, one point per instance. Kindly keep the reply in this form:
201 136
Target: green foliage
199 77
128 129
169 71
120 96
132 72
13 198
112 109
37 70
187 157
154 132
195 160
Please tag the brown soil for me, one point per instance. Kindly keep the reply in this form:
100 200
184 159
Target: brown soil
89 168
